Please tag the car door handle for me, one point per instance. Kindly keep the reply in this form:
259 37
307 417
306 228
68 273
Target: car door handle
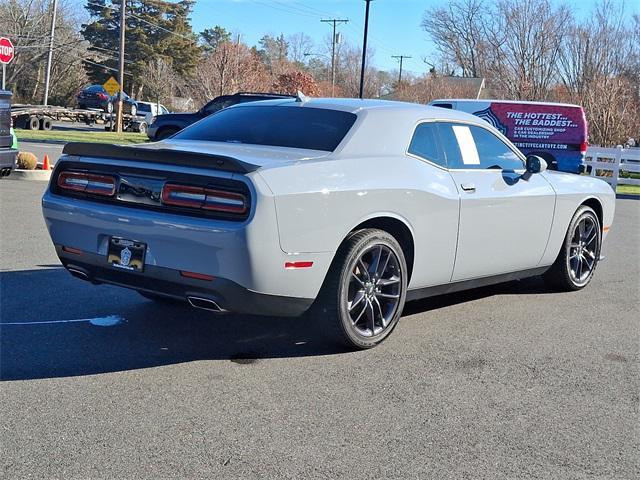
468 187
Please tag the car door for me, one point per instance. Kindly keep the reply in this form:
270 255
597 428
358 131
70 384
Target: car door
505 215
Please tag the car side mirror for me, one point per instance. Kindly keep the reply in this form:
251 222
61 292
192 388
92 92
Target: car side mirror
535 164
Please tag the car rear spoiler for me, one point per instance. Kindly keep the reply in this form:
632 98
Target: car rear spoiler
159 155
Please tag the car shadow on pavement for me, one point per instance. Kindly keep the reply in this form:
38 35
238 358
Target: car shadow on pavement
53 325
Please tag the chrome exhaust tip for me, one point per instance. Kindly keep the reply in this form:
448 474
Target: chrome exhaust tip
204 304
78 273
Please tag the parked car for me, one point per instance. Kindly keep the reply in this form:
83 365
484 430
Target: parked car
343 208
95 96
556 132
8 140
148 111
167 125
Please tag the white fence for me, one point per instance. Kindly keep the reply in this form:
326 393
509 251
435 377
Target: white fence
614 165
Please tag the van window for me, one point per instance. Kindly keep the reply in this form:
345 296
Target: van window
426 144
443 105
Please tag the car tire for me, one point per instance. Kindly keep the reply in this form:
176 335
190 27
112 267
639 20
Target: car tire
161 298
576 263
142 127
364 292
166 132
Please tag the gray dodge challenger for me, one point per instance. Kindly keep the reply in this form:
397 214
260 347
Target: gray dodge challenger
341 208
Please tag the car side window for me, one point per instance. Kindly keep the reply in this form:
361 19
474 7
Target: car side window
472 147
450 146
493 152
426 144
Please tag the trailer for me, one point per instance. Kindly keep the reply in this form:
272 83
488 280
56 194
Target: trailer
41 117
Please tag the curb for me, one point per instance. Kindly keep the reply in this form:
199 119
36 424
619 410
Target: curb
48 142
36 175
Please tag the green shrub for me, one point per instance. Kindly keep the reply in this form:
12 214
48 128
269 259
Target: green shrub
27 161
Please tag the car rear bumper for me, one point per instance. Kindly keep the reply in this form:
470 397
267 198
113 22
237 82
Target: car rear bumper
244 258
8 158
217 294
152 130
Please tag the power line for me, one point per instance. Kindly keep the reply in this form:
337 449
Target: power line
334 22
401 57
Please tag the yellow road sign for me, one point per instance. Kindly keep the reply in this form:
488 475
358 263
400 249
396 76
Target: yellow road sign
111 86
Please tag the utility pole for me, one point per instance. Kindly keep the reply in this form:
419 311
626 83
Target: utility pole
50 58
401 57
123 5
334 21
364 48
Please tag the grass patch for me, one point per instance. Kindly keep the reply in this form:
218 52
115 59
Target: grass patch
82 136
628 189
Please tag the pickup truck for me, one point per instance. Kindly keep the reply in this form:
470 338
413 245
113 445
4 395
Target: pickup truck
8 153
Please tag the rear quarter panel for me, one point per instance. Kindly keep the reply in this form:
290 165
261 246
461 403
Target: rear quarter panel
319 202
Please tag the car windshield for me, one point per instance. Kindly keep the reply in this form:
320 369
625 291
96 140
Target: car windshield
143 107
279 126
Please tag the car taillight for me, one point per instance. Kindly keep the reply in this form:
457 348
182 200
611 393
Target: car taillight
583 147
102 96
204 198
104 185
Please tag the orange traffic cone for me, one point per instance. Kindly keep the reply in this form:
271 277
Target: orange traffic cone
45 163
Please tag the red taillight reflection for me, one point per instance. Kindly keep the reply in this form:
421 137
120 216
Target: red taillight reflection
104 185
204 198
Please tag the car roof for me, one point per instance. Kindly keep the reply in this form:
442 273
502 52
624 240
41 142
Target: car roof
490 100
357 105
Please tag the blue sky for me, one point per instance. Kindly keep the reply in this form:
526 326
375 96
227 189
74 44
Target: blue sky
394 25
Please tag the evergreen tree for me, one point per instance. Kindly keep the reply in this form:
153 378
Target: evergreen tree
155 30
213 37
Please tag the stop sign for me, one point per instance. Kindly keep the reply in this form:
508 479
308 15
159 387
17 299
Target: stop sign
6 50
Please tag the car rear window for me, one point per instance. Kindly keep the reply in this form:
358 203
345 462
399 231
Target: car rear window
279 126
143 107
95 88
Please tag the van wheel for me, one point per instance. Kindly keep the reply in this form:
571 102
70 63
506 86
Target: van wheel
580 253
363 295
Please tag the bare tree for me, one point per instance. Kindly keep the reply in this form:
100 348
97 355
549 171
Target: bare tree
232 67
159 81
299 44
27 23
458 33
599 69
525 39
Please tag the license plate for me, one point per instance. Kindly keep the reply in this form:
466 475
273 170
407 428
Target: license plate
126 254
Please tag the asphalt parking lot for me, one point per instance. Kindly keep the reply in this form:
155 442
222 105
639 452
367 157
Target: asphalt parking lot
509 381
